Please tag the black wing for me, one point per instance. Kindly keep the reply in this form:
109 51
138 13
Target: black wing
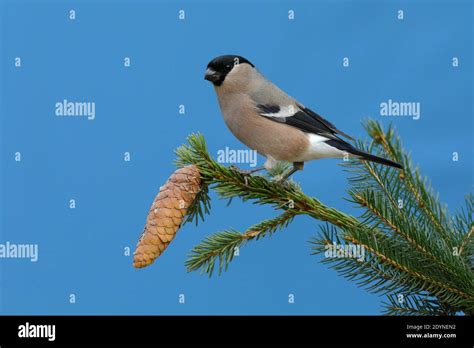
303 119
324 121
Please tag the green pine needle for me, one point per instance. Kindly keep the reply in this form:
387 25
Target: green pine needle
415 252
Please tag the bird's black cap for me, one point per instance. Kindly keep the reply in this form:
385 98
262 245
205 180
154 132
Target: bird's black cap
219 67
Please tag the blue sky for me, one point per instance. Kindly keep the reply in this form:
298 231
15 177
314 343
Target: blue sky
81 249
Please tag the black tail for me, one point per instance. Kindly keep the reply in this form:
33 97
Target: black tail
342 145
376 159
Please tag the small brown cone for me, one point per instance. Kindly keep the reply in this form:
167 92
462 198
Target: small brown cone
166 214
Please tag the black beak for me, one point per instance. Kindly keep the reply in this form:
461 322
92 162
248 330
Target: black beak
212 75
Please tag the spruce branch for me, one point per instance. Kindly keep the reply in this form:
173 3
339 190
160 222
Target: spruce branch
467 241
410 240
416 184
406 219
221 247
200 206
464 222
229 183
413 305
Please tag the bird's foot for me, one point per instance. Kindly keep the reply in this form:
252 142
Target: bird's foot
282 180
245 172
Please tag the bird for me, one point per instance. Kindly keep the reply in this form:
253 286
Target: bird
277 126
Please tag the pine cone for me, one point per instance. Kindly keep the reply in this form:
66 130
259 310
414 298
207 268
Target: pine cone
166 214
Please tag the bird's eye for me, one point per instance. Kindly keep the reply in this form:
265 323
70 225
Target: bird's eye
227 66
